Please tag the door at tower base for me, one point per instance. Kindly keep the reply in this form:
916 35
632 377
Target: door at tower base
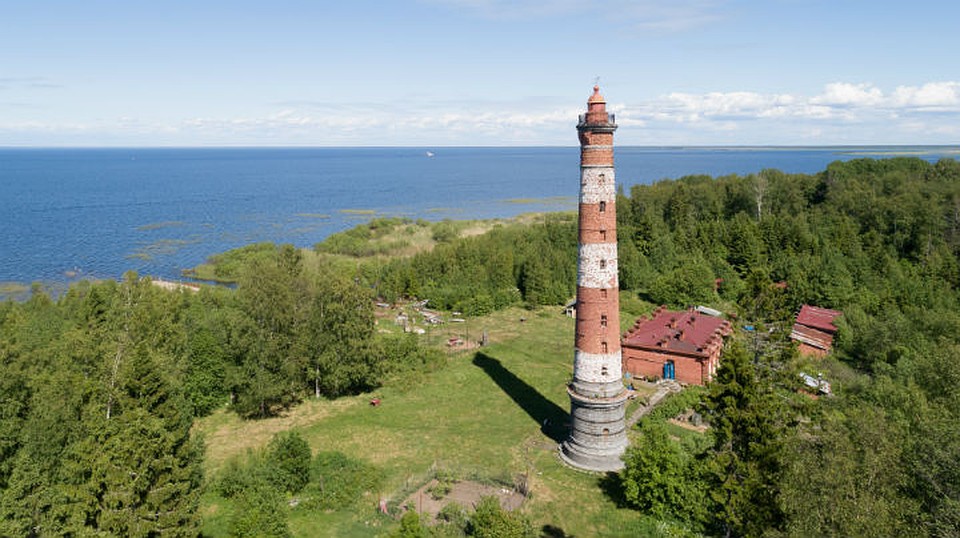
598 435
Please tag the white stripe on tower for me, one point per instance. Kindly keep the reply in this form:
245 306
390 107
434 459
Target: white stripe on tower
597 266
597 367
597 183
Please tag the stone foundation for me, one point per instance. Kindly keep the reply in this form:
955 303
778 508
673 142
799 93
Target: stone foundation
598 436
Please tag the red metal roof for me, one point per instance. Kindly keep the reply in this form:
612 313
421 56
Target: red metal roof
818 318
808 335
689 332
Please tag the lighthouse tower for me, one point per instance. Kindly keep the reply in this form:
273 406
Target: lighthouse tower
597 396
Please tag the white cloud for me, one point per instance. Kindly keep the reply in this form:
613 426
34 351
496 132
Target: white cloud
932 94
846 94
842 112
29 83
722 104
838 101
407 124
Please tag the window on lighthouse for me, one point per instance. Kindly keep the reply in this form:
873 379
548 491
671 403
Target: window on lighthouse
603 347
603 264
603 235
603 206
603 320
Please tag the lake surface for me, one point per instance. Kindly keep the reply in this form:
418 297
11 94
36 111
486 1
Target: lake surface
97 213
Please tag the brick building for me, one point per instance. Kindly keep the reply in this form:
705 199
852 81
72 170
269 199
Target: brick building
684 346
814 330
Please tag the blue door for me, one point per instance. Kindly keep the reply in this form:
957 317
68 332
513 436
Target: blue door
668 370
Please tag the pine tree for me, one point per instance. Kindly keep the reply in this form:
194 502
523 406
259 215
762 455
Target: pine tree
743 466
658 477
145 470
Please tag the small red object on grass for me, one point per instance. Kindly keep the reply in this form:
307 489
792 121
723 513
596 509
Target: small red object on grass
375 402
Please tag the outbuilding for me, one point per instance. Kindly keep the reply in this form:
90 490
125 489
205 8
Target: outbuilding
814 330
681 345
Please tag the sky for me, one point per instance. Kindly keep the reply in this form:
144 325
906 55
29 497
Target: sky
432 73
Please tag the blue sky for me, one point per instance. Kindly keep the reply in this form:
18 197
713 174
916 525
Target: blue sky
477 72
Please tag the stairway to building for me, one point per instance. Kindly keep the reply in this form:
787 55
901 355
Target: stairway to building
664 387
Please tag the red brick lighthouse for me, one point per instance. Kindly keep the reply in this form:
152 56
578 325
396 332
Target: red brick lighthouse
597 396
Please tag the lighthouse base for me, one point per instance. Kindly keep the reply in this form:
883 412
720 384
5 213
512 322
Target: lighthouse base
598 434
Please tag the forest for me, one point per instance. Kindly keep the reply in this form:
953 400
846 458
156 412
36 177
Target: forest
100 386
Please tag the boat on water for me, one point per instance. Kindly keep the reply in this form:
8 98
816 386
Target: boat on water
429 154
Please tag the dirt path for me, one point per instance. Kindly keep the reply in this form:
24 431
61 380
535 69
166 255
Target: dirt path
663 388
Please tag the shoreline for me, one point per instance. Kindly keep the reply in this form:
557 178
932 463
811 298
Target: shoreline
196 276
78 217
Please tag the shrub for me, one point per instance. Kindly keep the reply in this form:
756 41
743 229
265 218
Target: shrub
289 456
338 481
410 526
439 490
260 513
490 520
445 231
238 477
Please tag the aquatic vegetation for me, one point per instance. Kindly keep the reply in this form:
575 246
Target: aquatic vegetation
313 215
549 200
160 225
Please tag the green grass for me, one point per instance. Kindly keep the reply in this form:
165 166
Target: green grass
481 416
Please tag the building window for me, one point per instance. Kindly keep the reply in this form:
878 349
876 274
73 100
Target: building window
603 264
603 235
602 178
603 294
603 206
604 372
606 432
603 347
603 320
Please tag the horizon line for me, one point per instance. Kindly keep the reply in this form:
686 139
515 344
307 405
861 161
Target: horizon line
477 146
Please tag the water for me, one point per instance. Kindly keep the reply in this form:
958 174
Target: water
97 213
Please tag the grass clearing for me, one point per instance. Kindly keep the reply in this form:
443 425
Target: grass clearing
491 414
